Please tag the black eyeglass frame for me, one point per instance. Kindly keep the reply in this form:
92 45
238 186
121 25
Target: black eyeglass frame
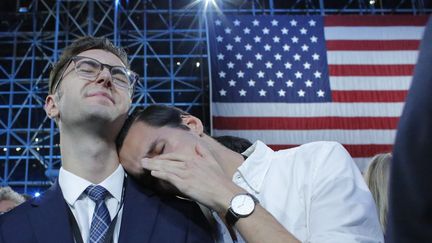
129 73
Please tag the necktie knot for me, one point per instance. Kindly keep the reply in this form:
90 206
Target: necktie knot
96 193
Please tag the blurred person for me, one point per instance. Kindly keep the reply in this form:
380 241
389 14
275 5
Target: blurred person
311 193
410 203
90 90
377 179
236 144
9 199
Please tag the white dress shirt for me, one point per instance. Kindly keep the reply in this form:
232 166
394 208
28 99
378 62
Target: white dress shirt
315 191
82 206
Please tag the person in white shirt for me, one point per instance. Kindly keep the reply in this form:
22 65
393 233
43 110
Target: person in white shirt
311 193
90 91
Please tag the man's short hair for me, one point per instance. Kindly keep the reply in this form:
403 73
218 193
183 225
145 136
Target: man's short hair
6 193
80 45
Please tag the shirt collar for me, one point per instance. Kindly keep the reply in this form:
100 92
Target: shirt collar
73 186
255 167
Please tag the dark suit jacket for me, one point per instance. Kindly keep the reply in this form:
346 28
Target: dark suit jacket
146 218
410 212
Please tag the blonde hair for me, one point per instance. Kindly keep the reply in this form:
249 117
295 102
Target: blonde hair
377 179
6 193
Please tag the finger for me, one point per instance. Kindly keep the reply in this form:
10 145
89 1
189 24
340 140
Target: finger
171 178
173 167
202 151
173 156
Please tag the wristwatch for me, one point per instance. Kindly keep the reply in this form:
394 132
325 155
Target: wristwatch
241 206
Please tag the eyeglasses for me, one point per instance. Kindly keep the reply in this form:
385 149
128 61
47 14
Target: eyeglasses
89 68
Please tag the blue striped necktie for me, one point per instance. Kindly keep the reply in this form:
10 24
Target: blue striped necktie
101 217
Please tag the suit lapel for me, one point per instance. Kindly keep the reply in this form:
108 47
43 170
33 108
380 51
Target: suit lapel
140 212
50 218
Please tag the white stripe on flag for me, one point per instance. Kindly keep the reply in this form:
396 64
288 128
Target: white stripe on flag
307 109
370 83
374 33
371 57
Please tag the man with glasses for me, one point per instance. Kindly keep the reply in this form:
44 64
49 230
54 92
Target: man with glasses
90 91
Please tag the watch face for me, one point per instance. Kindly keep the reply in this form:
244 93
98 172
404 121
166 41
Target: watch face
243 205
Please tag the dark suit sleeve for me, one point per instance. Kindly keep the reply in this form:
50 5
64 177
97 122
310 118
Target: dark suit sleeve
410 202
199 229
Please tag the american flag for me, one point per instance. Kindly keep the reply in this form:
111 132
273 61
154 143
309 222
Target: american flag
289 80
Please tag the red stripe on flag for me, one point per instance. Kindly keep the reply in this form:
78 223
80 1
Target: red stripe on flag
303 123
371 70
387 20
372 45
356 151
369 96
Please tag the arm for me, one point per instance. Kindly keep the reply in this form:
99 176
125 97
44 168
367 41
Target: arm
202 179
341 206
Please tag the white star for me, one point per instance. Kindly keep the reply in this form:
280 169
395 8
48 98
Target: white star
237 39
240 74
267 47
248 47
294 39
246 30
276 39
222 92
232 83
289 83
314 39
320 93
301 93
265 31
218 22
312 22
270 83
230 65
281 92
236 22
308 83
262 92
220 56
317 74
255 22
288 65
227 30
242 92
251 83
269 64
239 56
305 47
297 57
303 31
298 74
315 56
257 39
249 64
278 56
284 31
258 56
260 74
279 74
306 65
274 22
222 74
229 47
286 47
219 38
293 22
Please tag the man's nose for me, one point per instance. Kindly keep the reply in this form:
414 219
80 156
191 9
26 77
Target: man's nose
104 77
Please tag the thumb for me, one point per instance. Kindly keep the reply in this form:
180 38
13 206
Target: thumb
202 151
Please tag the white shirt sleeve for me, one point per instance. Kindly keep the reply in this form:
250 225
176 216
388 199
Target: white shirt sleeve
341 207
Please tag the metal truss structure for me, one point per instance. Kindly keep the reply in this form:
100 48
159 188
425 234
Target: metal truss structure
166 41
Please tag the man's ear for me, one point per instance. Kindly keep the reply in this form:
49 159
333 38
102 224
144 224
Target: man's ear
193 123
50 107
